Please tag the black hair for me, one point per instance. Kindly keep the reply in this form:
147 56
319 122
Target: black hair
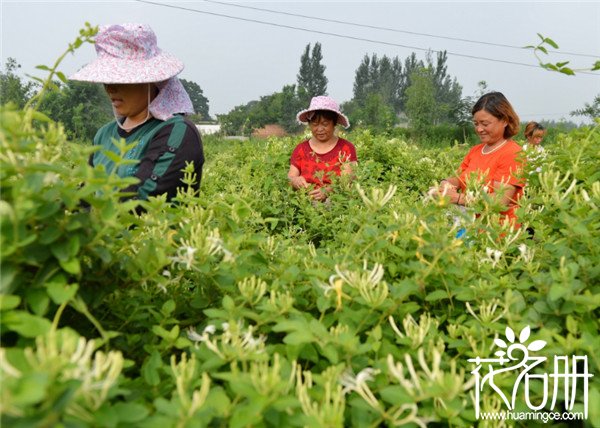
325 114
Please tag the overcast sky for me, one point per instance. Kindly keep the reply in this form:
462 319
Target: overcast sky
236 61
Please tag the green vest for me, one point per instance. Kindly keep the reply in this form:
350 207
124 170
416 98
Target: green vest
107 135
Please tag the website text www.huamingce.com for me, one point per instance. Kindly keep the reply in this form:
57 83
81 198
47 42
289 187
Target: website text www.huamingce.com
545 417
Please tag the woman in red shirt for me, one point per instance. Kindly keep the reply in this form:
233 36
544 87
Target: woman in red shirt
495 161
314 160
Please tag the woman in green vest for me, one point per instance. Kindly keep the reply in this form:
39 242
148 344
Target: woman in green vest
149 103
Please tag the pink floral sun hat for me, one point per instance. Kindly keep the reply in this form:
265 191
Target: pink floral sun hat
323 102
128 53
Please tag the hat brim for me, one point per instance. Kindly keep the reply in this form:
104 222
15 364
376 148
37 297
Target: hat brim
116 70
302 117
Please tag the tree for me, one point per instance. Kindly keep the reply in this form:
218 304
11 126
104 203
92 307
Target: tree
448 92
374 113
311 76
199 101
381 76
12 88
590 110
278 108
82 108
421 106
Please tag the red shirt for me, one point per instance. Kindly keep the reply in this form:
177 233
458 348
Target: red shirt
314 167
503 165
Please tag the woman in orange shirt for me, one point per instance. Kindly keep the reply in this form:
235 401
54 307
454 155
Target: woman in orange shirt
495 161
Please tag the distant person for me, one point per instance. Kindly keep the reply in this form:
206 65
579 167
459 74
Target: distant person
536 155
148 102
495 161
313 161
534 133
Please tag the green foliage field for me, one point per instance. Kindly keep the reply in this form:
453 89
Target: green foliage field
247 305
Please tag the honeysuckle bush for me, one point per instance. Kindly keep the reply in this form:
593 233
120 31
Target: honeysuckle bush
249 305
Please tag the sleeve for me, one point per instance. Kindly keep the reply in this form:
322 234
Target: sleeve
509 169
466 161
296 158
160 169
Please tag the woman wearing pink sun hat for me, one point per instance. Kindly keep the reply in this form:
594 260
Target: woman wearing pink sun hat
313 161
149 103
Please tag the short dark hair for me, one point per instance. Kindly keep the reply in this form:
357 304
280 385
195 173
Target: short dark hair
496 104
325 114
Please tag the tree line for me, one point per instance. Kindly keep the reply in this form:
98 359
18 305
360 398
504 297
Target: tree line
387 92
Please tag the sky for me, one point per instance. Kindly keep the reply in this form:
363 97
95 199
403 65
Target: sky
237 60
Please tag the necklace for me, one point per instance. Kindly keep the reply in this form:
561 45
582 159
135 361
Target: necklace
494 149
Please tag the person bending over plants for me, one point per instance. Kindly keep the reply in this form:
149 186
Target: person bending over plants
495 162
314 160
148 102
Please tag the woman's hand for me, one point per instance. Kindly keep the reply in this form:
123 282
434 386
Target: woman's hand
319 194
445 188
298 182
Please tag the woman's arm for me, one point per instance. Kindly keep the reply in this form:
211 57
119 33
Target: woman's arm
505 192
296 180
453 181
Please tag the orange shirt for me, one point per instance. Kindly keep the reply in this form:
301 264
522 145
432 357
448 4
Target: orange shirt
503 165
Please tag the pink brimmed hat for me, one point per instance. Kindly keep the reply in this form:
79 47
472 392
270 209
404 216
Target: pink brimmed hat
323 102
128 53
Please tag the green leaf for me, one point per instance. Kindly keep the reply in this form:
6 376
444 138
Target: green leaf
30 389
25 324
60 292
9 301
557 291
71 266
7 275
150 369
299 337
37 300
437 295
131 412
61 250
248 414
567 71
228 304
168 307
62 76
551 42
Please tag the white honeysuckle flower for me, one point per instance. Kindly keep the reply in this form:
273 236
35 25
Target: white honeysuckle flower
526 253
193 335
209 329
359 385
487 312
378 198
493 256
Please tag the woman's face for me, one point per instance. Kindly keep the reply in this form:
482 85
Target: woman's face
489 128
128 100
536 138
322 129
